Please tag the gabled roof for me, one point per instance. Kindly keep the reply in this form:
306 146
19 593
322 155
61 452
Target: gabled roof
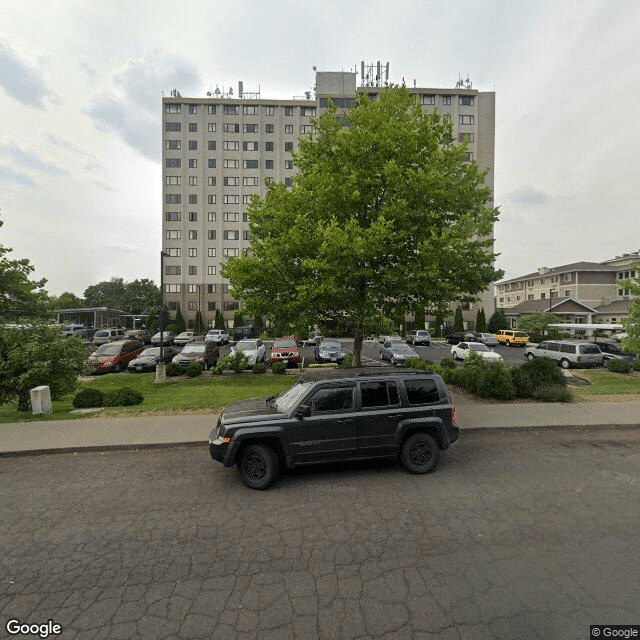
617 306
558 305
553 271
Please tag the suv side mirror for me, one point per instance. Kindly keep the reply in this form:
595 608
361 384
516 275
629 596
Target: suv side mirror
303 411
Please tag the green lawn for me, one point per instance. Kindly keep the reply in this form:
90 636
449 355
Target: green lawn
604 383
181 395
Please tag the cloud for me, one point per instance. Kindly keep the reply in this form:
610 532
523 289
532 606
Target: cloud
20 80
121 246
528 195
11 175
29 159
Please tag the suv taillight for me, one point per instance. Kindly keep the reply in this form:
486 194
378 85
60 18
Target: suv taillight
454 416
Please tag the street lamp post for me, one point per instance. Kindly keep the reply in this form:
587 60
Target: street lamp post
161 370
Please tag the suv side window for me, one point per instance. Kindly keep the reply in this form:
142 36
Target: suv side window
332 399
543 345
379 394
554 346
568 348
421 391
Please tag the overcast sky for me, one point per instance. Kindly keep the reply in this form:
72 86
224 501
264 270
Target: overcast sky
81 83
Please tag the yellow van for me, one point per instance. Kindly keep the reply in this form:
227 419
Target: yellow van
510 337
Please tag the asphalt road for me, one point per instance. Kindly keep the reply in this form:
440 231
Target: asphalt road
523 535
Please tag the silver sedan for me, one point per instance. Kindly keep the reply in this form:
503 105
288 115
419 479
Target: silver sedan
397 352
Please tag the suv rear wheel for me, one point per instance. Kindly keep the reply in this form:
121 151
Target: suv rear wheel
258 466
565 364
419 453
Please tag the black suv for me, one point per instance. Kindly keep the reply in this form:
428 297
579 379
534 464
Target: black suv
331 415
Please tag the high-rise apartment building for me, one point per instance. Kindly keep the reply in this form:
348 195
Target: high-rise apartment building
219 151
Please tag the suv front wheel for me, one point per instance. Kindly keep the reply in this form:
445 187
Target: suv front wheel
258 466
419 453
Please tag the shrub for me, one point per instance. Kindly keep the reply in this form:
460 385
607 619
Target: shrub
237 362
494 381
448 363
552 394
618 366
259 368
195 369
348 361
122 397
174 369
278 367
636 365
534 374
88 397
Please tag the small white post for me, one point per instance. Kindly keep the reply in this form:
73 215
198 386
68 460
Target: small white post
41 400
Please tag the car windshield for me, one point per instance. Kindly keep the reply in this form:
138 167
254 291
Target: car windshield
289 398
401 348
214 333
108 350
247 345
101 334
149 353
194 347
422 333
477 346
329 344
285 344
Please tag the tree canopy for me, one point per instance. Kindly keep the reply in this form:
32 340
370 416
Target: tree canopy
384 216
537 325
133 297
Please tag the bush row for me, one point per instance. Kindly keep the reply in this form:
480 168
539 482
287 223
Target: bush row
539 379
121 397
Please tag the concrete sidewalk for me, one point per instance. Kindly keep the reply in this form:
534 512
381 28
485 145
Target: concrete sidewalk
106 433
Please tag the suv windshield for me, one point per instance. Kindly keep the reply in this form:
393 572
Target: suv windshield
193 347
285 344
108 350
289 398
247 345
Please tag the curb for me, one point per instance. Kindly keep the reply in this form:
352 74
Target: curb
556 427
106 447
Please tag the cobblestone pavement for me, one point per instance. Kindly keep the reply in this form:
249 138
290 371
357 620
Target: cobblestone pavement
515 535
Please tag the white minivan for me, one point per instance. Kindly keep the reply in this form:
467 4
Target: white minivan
567 353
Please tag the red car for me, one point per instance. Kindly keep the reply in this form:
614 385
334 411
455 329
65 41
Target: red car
114 356
285 350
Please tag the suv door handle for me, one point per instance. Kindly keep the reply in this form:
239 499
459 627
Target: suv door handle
343 420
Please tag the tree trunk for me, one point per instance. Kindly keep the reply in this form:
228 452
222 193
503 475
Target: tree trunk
358 336
24 400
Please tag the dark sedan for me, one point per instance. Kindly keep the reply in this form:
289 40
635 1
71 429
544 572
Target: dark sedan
329 350
150 357
611 351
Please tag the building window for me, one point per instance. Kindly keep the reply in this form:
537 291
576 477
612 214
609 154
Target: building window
308 112
269 128
211 252
231 216
173 234
211 270
193 252
566 277
250 182
193 145
230 251
230 306
211 127
246 198
288 146
530 296
466 101
231 164
193 234
172 271
428 99
230 109
172 108
172 288
193 270
288 111
211 182
245 217
193 198
270 111
268 146
269 180
211 234
211 216
288 164
173 144
468 156
250 110
212 109
231 235
268 164
245 234
231 127
288 182
567 293
211 145
193 216
252 145
465 137
542 296
466 119
173 198
193 109
172 181
231 145
173 216
193 181
225 288
193 127
211 288
288 128
446 101
211 306
172 126
211 163
174 252
250 164
173 163
193 306
250 128
231 181
232 199
193 163
211 198
307 128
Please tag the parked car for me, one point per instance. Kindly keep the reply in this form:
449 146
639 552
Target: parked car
314 338
408 337
462 350
206 353
397 352
167 338
421 336
244 333
567 353
611 351
185 337
219 336
73 329
285 350
489 339
454 337
138 334
382 339
338 414
329 350
509 337
253 349
150 357
619 337
102 336
114 356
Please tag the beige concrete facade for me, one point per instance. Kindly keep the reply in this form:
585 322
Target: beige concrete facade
218 152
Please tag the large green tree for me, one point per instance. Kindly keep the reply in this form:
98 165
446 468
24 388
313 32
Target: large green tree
68 300
141 295
384 214
108 293
498 321
537 325
17 291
